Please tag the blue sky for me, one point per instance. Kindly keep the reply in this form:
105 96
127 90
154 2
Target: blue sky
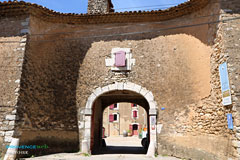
80 6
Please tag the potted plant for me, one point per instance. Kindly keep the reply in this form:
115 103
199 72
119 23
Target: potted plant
125 133
129 133
140 134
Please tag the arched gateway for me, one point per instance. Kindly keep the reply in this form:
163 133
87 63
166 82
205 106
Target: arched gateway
123 91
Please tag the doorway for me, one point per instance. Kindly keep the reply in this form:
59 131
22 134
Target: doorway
135 129
112 94
121 123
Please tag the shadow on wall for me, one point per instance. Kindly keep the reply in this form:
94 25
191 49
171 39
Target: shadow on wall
47 101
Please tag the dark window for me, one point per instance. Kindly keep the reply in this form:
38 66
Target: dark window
115 117
115 105
134 105
135 127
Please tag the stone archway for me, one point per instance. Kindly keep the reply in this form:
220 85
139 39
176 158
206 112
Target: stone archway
128 86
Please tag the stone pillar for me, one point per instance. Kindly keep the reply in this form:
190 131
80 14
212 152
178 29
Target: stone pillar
99 6
12 150
153 132
87 134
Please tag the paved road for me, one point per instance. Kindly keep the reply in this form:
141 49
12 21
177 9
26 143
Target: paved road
123 145
78 156
123 141
118 148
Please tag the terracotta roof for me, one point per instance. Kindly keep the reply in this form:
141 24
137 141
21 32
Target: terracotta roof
9 9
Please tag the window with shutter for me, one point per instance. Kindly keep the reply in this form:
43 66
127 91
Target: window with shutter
111 106
111 118
135 114
130 127
133 105
120 59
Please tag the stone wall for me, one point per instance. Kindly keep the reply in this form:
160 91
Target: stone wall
210 115
205 121
98 6
64 63
12 49
176 95
230 46
195 24
47 97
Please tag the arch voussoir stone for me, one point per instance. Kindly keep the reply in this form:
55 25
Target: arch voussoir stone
137 88
97 91
105 89
149 97
128 86
143 91
112 87
120 86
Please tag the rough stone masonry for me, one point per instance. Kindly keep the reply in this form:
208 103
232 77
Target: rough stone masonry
52 64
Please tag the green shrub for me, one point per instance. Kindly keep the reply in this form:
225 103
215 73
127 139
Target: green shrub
86 154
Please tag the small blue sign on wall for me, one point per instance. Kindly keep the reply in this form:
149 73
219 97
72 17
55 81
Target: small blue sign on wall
226 94
230 121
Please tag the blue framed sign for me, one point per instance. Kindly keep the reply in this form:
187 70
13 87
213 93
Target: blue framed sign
230 121
226 93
